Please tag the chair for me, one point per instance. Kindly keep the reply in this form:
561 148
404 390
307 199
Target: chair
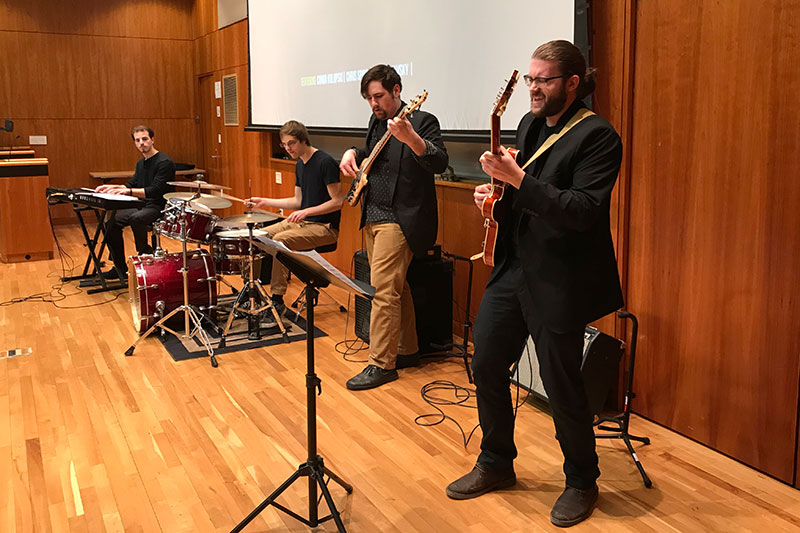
301 298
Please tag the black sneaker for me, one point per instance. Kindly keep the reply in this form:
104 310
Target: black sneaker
369 378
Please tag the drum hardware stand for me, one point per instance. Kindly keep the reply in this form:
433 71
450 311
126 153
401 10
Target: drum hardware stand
192 316
622 421
252 292
224 281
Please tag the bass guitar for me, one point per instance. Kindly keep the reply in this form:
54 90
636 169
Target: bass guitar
494 208
360 181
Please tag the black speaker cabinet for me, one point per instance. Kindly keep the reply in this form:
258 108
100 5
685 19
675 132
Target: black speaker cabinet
431 283
600 368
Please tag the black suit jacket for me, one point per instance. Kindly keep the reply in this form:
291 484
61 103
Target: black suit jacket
564 234
413 190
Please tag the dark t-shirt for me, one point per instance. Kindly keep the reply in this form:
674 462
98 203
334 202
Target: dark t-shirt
313 179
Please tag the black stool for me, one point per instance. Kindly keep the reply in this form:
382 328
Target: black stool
301 298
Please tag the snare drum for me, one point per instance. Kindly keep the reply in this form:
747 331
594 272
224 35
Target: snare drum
155 285
231 252
200 222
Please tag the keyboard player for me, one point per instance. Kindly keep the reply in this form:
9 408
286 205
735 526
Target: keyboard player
149 183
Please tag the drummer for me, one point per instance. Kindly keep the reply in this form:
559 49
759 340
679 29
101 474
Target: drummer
149 182
317 200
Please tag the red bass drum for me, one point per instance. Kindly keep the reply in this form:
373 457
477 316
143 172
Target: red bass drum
155 285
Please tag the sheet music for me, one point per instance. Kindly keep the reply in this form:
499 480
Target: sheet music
273 247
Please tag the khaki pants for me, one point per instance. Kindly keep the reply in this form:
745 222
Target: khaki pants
298 236
392 325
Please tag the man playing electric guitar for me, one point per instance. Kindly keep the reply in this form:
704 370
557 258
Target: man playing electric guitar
399 218
555 271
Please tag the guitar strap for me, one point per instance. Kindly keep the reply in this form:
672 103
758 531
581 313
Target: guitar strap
550 141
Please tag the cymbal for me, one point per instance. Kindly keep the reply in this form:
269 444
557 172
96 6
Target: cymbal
214 202
241 233
248 218
197 184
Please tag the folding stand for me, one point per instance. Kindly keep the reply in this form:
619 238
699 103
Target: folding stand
315 275
623 420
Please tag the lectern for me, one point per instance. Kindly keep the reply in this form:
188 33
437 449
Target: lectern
24 222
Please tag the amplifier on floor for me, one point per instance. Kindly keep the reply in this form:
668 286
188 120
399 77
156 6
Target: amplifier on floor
600 368
431 282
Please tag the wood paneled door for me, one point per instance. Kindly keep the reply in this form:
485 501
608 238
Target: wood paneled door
211 127
714 247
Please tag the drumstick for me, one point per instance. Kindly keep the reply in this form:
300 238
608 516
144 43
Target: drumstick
254 209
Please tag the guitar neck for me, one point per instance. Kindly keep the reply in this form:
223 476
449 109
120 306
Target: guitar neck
383 140
495 134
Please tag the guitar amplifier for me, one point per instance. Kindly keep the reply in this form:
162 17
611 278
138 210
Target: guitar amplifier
431 283
600 368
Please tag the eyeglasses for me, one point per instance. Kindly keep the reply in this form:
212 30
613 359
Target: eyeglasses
539 81
289 144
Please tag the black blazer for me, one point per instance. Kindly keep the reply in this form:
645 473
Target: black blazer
564 234
413 190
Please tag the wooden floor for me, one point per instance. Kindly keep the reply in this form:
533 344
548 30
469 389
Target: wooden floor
91 440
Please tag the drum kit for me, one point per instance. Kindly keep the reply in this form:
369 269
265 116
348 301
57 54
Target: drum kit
163 284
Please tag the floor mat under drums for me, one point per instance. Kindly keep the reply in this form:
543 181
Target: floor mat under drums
238 336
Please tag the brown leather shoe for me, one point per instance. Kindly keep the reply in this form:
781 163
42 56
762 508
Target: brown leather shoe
573 506
480 481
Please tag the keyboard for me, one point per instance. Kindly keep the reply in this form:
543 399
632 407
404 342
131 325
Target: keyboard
91 199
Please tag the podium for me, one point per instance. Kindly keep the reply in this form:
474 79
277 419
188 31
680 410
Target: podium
313 270
25 233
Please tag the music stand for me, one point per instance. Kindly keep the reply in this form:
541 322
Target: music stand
310 268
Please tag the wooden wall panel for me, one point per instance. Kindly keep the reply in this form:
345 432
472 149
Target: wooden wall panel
714 241
222 49
154 19
90 77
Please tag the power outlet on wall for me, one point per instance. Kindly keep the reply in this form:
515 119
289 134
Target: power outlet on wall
278 178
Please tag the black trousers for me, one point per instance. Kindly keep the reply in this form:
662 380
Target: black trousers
138 220
505 319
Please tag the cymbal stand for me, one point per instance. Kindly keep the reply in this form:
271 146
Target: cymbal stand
252 292
192 316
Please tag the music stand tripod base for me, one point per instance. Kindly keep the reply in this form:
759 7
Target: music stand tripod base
313 468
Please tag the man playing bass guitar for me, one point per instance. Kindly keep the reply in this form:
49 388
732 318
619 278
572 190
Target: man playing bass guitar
398 216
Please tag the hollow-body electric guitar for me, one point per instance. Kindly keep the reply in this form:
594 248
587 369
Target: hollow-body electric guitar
360 181
495 207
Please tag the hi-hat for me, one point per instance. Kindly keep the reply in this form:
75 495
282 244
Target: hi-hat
248 218
198 185
241 233
214 202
